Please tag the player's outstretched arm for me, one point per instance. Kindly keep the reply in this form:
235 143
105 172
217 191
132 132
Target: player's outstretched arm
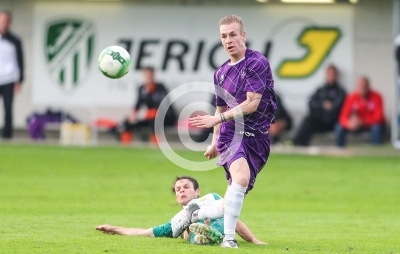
246 234
115 230
247 107
208 121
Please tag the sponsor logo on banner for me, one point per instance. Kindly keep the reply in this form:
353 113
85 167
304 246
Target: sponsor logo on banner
69 46
318 42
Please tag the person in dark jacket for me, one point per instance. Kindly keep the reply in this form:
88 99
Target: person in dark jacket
11 70
283 121
325 105
150 96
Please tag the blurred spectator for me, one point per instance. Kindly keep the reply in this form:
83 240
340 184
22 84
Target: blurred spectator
11 70
397 53
150 96
325 105
283 121
362 111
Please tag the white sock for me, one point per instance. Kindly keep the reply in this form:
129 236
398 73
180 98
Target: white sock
233 205
213 211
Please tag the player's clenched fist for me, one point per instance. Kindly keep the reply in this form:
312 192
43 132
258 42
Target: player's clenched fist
211 152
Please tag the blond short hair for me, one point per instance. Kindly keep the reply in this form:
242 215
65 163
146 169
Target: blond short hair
229 19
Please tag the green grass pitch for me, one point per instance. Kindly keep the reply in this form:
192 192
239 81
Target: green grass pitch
51 198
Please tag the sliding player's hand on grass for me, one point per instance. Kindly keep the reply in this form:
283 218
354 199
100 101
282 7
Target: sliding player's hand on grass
106 229
256 241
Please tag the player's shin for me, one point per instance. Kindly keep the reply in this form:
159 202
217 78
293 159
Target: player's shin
233 205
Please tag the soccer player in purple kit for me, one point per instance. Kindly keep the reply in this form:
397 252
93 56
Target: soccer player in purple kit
247 78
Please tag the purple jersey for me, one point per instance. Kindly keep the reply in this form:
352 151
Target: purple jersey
251 74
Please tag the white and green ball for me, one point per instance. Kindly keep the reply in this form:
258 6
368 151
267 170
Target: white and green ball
114 62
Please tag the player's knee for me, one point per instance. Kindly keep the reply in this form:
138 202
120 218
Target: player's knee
240 172
243 178
244 182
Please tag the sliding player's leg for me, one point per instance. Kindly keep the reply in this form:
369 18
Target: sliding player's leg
212 234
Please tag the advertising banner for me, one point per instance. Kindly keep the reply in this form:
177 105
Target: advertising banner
183 45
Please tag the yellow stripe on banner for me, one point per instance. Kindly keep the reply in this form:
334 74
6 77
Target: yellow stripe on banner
319 42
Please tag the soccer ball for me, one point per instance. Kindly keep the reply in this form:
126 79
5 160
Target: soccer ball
114 62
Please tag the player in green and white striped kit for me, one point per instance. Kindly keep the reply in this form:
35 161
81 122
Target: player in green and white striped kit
200 233
186 190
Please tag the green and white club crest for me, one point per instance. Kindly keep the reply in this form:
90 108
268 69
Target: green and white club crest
69 47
